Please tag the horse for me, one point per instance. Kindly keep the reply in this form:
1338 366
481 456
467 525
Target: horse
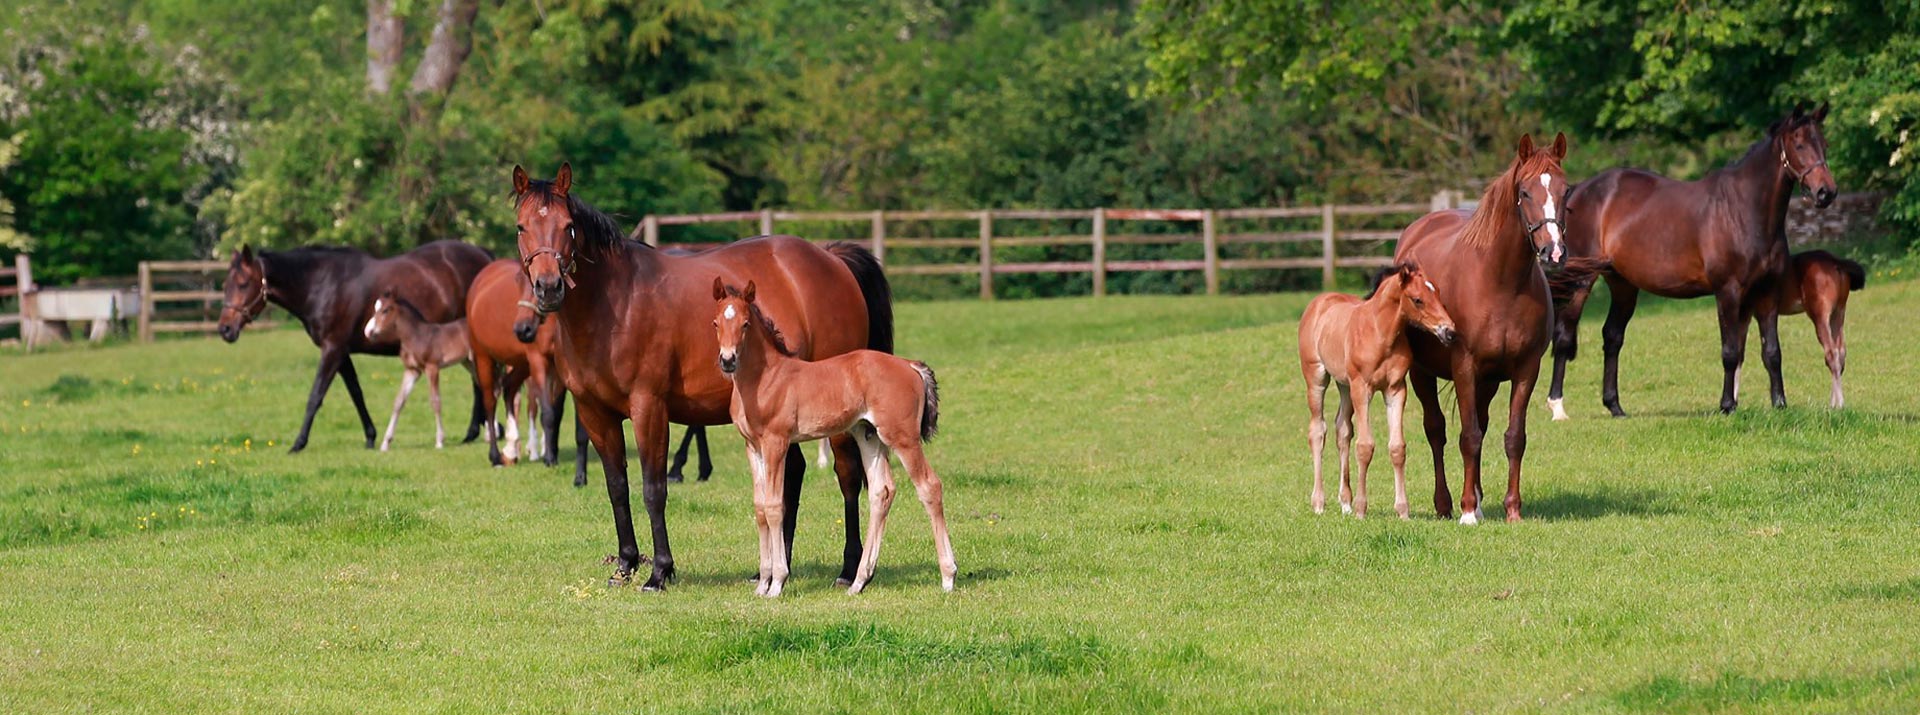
628 350
1487 267
889 404
1724 236
1361 346
424 347
511 346
1817 283
332 290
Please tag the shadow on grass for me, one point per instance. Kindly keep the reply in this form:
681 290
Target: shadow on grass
1731 691
1582 505
1904 591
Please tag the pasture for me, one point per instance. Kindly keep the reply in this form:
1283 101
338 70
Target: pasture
1127 486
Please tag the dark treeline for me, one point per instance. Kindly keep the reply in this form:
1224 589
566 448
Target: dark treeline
176 128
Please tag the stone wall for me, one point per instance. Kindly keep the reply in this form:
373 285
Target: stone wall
1850 215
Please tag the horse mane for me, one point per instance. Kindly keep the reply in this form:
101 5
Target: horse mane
407 305
767 329
1379 278
1494 217
595 227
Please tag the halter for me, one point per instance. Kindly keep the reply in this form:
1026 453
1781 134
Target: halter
1799 176
567 266
252 308
1535 226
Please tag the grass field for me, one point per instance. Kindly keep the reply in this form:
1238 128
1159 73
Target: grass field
1127 484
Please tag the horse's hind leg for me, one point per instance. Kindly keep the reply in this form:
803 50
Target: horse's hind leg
1363 449
1343 441
1612 337
1317 435
1827 323
352 379
487 373
399 401
1433 419
433 394
556 407
473 425
848 469
873 454
926 484
706 459
1566 345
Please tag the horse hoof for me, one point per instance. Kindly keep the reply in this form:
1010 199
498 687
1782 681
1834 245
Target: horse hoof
1346 508
1559 408
1470 518
620 578
842 582
675 478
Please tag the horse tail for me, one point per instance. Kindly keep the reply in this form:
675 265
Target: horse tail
874 288
1576 273
1856 273
930 402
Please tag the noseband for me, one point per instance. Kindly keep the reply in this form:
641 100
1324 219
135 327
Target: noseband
567 266
1800 176
1535 226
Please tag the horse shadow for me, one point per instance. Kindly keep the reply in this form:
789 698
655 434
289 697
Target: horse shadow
1595 504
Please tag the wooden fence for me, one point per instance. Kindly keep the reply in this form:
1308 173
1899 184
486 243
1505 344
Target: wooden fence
22 276
1329 236
182 289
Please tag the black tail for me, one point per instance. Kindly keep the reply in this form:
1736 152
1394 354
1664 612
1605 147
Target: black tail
1856 273
930 416
874 287
1575 275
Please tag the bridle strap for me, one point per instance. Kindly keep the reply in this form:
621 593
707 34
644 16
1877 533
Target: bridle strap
530 305
252 308
1535 226
567 266
1801 175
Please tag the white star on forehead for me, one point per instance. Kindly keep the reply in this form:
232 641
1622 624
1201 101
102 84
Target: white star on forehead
729 314
543 211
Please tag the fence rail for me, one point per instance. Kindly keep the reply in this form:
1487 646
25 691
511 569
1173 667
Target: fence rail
1330 237
195 302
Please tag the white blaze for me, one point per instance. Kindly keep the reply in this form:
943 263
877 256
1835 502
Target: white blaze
375 319
1553 229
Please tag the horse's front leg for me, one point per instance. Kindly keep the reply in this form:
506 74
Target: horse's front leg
1317 436
1769 318
480 415
1433 420
1343 443
330 361
399 401
1733 347
433 395
580 442
650 437
769 512
1363 449
602 426
1466 388
1613 336
1517 433
352 379
1397 444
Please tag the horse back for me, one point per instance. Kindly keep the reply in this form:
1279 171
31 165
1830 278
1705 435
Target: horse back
1323 331
493 302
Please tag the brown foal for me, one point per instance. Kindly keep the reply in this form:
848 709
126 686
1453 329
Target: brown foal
1817 283
888 404
424 347
1361 346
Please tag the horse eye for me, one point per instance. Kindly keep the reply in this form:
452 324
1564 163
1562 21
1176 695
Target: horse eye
1418 301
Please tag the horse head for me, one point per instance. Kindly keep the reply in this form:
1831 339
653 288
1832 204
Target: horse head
548 242
1540 192
1802 148
245 293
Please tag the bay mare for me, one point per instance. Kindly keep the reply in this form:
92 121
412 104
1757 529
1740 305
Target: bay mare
1723 236
1486 266
331 292
632 344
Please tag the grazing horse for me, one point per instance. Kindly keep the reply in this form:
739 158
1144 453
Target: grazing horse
631 347
424 347
1724 236
1817 283
1361 346
889 404
1486 265
331 291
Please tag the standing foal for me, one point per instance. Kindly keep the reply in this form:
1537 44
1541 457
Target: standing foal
424 347
887 403
1817 283
1362 347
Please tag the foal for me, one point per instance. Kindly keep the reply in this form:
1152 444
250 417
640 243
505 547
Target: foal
1817 283
424 347
888 404
1362 347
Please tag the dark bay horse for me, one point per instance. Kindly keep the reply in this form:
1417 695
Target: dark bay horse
1486 266
635 342
1724 236
332 290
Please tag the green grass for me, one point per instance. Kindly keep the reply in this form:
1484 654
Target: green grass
1127 484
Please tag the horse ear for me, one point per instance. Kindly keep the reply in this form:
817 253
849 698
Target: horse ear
519 180
719 289
1820 115
748 293
1407 270
563 180
1559 145
244 254
1526 146
1799 110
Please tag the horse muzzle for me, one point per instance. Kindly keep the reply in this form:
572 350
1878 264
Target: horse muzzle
229 333
1445 334
729 363
1553 256
548 292
1823 198
524 331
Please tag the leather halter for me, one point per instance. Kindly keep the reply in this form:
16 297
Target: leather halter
567 266
252 308
1799 176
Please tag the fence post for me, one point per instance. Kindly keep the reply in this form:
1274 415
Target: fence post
1326 246
1099 252
986 255
30 327
766 222
880 236
1442 200
146 302
650 230
1209 243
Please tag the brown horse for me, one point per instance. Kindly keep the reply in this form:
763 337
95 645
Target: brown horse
1486 265
1817 283
331 291
1724 236
631 346
888 404
425 347
1361 346
511 347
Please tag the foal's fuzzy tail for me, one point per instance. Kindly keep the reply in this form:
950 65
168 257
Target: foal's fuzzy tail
874 288
930 412
1856 273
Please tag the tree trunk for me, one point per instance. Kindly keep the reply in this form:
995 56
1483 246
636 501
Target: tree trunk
452 42
383 45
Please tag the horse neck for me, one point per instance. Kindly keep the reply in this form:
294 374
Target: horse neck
286 283
1381 313
610 275
1761 183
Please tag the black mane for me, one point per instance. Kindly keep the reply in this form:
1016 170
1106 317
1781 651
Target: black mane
767 329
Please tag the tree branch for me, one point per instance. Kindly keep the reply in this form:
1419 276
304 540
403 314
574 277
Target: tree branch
452 42
383 45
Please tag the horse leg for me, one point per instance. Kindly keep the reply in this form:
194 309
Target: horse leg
926 485
769 512
825 456
1363 451
796 472
515 379
880 489
1829 324
352 379
330 361
433 395
399 401
650 437
550 416
1467 389
1566 345
579 447
1612 336
848 469
603 427
487 373
680 457
1769 319
1397 445
1733 347
1517 433
479 416
706 460
1317 434
1343 442
1433 419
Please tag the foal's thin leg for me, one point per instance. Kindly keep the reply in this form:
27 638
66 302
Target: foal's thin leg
1434 421
1343 440
1397 444
879 500
825 458
1829 324
1362 399
399 401
769 505
926 484
1317 436
433 385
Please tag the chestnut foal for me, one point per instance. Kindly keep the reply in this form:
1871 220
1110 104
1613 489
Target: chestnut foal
1361 346
1817 283
888 404
424 347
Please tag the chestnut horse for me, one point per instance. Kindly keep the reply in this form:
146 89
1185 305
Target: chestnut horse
1361 346
510 350
1486 265
888 404
1817 283
631 345
1724 236
331 291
